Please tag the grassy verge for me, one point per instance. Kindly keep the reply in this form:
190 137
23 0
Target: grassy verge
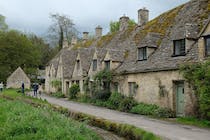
19 120
127 131
194 121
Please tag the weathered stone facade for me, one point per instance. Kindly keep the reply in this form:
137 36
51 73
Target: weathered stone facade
146 59
16 78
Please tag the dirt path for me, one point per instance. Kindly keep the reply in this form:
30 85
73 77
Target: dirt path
162 128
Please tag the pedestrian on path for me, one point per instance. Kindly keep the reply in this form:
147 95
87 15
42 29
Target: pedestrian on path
35 87
1 86
40 90
23 88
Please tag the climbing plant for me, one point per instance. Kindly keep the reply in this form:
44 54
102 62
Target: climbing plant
57 84
198 75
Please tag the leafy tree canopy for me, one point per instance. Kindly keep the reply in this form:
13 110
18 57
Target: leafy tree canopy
17 50
61 28
115 25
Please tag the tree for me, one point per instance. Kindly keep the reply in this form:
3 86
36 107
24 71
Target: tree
115 25
17 50
62 27
3 25
46 52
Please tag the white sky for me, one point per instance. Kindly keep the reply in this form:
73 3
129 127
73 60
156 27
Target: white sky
33 15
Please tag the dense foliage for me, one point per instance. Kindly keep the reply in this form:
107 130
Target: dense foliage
73 91
198 75
17 50
20 49
25 122
57 84
120 102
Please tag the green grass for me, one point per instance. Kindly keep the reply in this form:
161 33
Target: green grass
194 121
21 121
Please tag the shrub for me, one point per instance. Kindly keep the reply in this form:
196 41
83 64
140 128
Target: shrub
164 113
57 84
153 110
126 104
58 95
73 91
144 109
101 95
114 100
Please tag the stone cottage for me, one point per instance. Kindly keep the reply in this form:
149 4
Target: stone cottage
16 78
145 57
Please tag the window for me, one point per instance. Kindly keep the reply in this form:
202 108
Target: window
132 88
142 53
78 64
179 47
207 45
94 65
107 65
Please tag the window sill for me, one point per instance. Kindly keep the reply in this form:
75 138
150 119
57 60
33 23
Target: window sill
178 55
142 60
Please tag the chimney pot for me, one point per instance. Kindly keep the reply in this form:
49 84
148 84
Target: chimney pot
123 22
85 36
98 31
143 16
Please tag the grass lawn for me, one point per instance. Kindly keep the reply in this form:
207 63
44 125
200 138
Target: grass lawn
194 121
21 121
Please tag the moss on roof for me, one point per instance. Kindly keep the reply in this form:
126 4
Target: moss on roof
159 24
85 44
105 39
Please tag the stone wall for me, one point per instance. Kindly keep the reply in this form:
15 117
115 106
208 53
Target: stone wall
148 90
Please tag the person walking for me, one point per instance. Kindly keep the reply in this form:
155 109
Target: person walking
23 88
1 86
36 86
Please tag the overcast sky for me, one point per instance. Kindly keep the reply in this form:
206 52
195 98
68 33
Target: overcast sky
33 15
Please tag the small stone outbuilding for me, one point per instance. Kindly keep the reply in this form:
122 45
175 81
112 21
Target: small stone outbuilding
16 78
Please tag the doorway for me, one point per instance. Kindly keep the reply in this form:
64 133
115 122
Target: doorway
180 98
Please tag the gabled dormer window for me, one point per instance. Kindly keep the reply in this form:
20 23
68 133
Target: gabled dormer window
142 54
78 64
94 64
107 64
179 47
207 46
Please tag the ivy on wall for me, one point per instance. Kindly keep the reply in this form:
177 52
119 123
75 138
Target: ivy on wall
198 75
57 84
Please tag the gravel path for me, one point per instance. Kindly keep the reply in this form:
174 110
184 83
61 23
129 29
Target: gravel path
164 129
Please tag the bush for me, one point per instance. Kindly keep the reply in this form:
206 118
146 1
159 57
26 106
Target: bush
164 113
101 95
114 100
144 109
152 110
126 104
58 95
73 91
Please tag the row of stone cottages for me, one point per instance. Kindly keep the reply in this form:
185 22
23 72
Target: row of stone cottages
146 57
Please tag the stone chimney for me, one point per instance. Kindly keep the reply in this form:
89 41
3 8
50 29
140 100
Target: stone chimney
98 31
85 36
65 43
124 23
73 40
143 16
